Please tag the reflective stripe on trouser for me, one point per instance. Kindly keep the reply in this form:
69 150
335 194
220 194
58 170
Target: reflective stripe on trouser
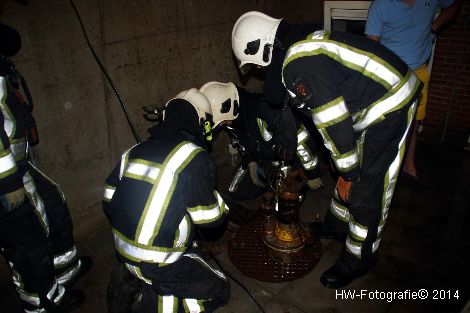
187 285
51 207
26 248
364 217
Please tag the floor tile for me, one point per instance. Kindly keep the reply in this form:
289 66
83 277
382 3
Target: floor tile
280 305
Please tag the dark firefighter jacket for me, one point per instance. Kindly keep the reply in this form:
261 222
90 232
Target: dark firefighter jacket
259 128
156 195
347 83
286 35
15 115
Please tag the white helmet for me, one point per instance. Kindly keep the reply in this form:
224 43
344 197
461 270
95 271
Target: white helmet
198 100
223 99
252 39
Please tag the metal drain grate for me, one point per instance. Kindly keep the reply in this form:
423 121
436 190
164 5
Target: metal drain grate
248 253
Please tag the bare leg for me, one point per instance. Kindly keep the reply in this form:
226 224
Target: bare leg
409 166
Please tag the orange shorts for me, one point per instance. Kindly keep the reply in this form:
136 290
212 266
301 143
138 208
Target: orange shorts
423 76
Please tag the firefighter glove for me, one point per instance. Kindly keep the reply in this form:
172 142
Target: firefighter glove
315 184
253 166
344 189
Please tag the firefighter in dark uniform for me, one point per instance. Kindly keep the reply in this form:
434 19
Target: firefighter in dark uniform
157 196
258 132
36 228
362 99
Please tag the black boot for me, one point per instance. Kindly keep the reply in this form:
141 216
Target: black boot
340 275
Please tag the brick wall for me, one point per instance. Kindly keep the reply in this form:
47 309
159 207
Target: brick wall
449 95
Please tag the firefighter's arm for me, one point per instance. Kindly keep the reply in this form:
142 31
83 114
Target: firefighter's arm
10 178
110 185
306 153
314 84
282 124
113 180
204 204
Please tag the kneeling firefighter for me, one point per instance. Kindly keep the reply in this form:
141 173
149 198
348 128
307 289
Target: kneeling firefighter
156 197
262 138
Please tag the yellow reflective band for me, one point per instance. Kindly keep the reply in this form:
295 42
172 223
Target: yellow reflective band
162 192
108 193
376 244
353 247
393 100
65 258
205 214
123 164
182 235
39 207
193 305
166 304
7 164
347 161
198 259
356 59
339 211
357 229
308 160
151 254
330 113
135 271
19 149
237 178
68 275
394 168
302 135
142 170
263 129
222 205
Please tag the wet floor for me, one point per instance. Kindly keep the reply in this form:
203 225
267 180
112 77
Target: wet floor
425 247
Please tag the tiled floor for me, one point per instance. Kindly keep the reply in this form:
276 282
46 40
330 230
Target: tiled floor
426 246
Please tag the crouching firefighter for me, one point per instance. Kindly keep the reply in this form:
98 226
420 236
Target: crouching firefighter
262 138
161 191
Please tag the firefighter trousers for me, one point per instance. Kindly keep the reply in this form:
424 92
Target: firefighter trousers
187 285
53 211
25 246
381 149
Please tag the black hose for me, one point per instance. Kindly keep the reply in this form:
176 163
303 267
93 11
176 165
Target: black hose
238 282
252 296
116 92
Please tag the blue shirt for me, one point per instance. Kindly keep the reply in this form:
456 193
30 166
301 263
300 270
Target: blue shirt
405 30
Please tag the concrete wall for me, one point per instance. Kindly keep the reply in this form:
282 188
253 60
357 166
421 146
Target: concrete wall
151 49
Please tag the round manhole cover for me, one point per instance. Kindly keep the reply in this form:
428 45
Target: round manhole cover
248 253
